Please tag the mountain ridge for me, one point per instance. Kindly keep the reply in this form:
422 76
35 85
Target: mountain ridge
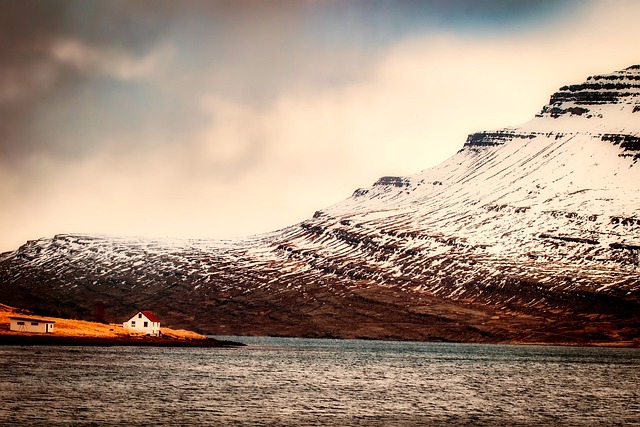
528 234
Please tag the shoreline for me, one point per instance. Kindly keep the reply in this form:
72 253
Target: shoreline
208 342
52 340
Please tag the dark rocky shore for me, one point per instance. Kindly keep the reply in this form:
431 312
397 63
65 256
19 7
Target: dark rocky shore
108 342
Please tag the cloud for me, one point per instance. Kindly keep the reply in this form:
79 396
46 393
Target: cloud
109 61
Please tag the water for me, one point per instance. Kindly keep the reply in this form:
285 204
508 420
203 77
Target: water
280 381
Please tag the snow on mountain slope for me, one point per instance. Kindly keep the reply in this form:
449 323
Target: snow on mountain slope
557 196
538 222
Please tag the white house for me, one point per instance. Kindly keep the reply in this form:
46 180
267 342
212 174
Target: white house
144 322
29 324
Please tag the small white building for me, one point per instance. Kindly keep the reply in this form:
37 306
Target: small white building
145 322
29 324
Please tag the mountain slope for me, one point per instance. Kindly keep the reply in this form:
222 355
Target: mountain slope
527 234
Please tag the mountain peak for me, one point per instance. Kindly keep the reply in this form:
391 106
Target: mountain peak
586 99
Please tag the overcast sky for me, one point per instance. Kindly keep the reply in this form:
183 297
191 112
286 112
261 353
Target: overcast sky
217 119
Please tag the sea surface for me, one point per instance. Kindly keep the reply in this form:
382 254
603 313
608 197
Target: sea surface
310 382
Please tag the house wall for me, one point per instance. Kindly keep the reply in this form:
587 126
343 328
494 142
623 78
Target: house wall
27 325
137 323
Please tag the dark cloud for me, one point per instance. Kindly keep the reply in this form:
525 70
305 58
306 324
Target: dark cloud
64 82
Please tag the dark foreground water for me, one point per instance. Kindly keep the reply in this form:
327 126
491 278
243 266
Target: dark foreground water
276 381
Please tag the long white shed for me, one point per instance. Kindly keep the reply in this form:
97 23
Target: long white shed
30 324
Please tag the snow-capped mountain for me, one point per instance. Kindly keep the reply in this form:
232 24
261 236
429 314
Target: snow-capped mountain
530 234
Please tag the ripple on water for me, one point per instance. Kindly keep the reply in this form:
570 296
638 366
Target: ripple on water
277 381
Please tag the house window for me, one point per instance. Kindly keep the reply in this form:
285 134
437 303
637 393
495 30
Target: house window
21 323
133 323
146 324
139 315
34 323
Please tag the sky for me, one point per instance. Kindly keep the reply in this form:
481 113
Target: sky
222 119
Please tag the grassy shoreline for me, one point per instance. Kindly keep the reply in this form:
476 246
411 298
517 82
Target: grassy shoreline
82 333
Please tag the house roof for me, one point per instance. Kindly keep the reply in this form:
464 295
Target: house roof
31 319
150 316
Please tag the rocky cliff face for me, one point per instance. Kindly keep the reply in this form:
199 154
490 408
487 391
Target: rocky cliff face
580 99
527 234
